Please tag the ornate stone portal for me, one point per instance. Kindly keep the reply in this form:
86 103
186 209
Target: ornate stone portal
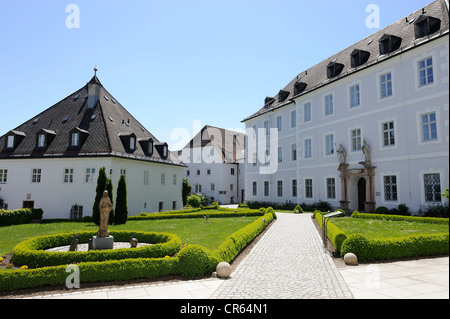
367 171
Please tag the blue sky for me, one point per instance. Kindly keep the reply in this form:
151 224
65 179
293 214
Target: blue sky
170 63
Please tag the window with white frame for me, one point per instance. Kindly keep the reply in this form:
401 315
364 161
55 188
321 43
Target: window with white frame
385 85
266 188
212 187
293 152
68 175
3 176
432 185
198 188
331 188
329 144
293 119
307 112
356 139
41 140
294 188
280 154
390 188
388 133
279 123
280 188
426 71
308 188
308 148
75 139
10 141
89 176
254 188
354 96
429 127
36 175
76 212
329 104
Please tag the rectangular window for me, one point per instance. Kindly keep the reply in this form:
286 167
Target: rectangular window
280 154
68 175
388 134
10 143
232 171
198 172
213 187
76 212
231 187
279 123
390 188
161 206
174 204
198 188
266 128
208 172
308 188
255 188
132 142
329 144
280 188
329 104
293 152
293 119
429 127
36 175
331 188
174 179
188 173
146 177
354 96
294 188
426 71
75 139
432 185
356 139
3 176
386 85
308 148
307 112
163 179
266 188
41 140
90 175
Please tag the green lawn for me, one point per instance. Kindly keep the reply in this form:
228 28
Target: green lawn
190 231
372 228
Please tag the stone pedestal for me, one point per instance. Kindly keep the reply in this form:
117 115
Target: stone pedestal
101 243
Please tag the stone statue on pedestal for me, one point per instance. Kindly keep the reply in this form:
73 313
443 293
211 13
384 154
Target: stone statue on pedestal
105 207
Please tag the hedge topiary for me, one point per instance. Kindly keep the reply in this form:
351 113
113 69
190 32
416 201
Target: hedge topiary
299 209
196 260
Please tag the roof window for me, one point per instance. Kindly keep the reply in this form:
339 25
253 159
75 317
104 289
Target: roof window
299 87
426 25
389 43
334 69
282 96
359 57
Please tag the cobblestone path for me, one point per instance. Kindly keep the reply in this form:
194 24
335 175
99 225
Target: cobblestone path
288 262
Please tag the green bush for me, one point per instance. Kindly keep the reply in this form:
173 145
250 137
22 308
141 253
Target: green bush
19 216
393 248
194 201
32 252
415 219
299 209
334 233
197 212
121 211
382 210
196 260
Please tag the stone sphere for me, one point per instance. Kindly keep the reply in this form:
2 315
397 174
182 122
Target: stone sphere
350 259
223 270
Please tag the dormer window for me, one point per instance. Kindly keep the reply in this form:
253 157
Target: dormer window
282 96
299 87
44 138
426 25
10 142
132 143
359 57
334 69
389 43
129 141
41 140
162 149
77 137
13 139
147 145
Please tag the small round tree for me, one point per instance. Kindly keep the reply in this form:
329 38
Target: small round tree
121 211
185 191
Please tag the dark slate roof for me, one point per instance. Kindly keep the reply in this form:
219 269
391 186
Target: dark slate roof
317 76
230 144
101 129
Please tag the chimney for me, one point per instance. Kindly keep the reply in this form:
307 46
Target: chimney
94 86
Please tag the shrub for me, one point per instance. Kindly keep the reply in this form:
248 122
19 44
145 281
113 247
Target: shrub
416 219
196 260
434 210
121 211
194 201
299 209
382 210
19 216
334 233
101 186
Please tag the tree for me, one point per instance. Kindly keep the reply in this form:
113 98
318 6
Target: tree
185 191
101 186
121 210
194 201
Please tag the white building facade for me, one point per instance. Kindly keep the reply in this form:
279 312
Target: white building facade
368 127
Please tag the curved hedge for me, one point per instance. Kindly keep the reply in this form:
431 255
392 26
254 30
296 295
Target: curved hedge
31 252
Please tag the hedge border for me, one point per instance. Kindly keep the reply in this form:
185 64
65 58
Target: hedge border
334 233
128 269
32 254
19 216
415 219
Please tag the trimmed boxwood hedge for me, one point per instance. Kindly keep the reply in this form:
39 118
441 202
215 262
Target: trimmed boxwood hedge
198 213
19 216
415 219
31 252
334 233
192 260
